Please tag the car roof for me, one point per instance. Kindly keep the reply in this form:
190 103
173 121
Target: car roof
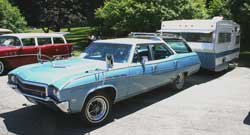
29 35
132 41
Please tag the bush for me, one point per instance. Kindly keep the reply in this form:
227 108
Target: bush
10 17
121 17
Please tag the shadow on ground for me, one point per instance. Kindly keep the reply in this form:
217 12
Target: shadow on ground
247 119
39 120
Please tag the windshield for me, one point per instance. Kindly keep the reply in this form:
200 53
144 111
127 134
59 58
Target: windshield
98 51
8 41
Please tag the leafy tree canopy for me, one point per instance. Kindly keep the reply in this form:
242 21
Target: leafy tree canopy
10 17
125 16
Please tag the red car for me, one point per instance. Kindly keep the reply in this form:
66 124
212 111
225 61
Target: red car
21 49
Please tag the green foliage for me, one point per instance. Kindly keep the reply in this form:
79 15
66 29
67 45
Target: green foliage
10 17
219 8
55 14
122 17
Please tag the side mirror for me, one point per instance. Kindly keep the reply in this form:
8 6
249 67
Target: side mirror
109 61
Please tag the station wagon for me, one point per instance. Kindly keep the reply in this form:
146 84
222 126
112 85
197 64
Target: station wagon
107 72
22 49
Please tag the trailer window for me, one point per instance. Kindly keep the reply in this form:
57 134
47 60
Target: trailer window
224 37
198 37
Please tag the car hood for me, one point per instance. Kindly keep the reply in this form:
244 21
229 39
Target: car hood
58 73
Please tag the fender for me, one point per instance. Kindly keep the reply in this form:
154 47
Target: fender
98 88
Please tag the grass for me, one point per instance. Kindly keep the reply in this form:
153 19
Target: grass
78 36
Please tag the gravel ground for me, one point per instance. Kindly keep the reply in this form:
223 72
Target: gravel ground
211 104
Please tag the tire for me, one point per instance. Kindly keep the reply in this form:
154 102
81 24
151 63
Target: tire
179 82
2 68
96 109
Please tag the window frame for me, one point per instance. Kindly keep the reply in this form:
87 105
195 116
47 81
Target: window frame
32 45
37 38
150 45
53 39
224 37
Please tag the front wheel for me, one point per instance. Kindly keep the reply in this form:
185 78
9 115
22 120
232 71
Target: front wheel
96 109
2 68
179 82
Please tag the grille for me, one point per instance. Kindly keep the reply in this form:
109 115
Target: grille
30 89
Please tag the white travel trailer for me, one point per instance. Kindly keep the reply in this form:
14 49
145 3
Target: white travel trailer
216 41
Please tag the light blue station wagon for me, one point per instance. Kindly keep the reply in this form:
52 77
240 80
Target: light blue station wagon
107 72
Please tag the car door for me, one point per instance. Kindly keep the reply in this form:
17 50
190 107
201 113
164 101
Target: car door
46 47
28 52
140 74
164 64
61 47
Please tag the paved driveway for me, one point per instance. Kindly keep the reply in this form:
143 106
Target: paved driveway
211 104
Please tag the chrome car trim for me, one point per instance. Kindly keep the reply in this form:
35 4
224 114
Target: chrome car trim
24 55
35 84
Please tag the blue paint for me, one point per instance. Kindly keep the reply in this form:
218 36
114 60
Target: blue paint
208 60
75 78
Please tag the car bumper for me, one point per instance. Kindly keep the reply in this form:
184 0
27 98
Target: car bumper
63 106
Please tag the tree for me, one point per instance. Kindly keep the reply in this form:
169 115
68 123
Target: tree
56 14
122 17
10 17
89 7
219 8
240 10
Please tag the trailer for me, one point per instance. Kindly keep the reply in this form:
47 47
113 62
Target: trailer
216 41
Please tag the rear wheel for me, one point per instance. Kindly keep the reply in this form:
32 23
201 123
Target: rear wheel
179 82
2 68
96 109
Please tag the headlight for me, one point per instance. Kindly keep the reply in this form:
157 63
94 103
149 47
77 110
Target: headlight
12 79
54 92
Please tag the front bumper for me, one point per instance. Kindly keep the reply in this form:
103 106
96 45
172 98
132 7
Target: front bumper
63 106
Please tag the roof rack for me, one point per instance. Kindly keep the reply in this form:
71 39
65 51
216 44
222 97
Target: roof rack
142 34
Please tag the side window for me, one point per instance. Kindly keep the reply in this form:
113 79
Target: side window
9 41
178 46
224 37
142 52
28 42
44 41
160 51
58 40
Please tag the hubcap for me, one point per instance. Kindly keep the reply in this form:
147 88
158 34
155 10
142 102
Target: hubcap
1 67
180 81
97 109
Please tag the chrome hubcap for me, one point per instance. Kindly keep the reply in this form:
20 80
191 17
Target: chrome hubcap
97 109
1 67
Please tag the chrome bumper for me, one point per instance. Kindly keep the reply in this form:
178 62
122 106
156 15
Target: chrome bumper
63 106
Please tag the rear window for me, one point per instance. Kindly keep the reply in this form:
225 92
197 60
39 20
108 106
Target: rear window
178 46
44 41
28 41
58 40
